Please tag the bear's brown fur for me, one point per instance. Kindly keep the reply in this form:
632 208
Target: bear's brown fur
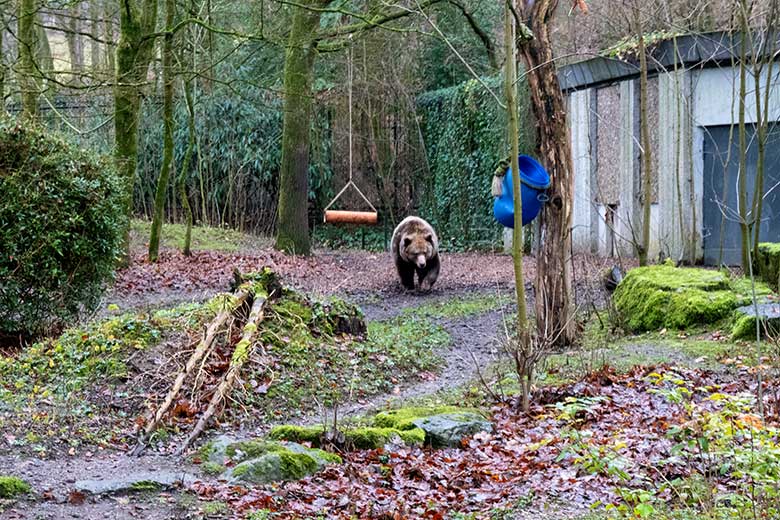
415 249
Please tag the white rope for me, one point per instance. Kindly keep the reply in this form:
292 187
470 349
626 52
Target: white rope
349 97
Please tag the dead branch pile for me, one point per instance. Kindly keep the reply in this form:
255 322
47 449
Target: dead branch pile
254 291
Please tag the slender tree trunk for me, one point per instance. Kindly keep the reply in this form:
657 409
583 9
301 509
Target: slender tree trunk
3 22
762 119
72 25
554 311
523 356
27 46
168 77
647 160
133 56
95 58
185 167
293 226
742 184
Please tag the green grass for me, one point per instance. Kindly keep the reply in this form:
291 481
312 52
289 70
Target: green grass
460 307
203 238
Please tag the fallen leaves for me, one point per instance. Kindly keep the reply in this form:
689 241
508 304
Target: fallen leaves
542 455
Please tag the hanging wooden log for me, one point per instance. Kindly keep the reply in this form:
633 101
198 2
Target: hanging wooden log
242 352
153 421
351 217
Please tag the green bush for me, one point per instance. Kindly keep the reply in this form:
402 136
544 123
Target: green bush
61 227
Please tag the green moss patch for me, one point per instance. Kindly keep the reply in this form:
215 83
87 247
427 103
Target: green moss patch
745 321
372 437
295 433
12 487
403 418
362 438
663 296
768 263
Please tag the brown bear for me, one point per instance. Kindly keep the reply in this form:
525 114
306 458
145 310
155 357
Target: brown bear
415 249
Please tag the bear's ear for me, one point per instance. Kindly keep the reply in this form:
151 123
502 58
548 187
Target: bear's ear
429 238
407 241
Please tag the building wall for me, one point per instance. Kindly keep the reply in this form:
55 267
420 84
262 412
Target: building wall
606 148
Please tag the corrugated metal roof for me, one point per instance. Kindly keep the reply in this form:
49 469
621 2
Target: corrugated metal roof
695 50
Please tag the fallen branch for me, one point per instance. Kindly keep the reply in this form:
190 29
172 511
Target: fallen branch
200 351
241 353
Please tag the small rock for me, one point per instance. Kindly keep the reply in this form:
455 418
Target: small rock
449 429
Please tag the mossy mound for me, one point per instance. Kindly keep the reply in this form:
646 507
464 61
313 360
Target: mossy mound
745 322
653 297
12 487
768 263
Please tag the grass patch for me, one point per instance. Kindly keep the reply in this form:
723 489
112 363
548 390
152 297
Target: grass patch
460 307
12 487
203 237
332 369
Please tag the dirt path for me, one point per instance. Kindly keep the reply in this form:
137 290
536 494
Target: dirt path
55 483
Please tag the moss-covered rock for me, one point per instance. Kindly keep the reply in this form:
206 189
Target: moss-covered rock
364 438
403 418
12 487
261 461
274 467
653 297
373 437
768 263
745 321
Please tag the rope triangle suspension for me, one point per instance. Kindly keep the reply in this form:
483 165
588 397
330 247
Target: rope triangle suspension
345 216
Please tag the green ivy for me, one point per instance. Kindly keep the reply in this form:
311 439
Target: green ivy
464 130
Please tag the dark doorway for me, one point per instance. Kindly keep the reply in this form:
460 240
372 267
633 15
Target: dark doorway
721 168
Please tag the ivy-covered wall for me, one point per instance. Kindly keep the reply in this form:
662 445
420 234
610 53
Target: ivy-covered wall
464 130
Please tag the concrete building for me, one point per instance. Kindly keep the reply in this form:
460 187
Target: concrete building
693 113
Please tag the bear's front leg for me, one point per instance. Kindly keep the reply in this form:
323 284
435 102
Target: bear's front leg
406 273
429 275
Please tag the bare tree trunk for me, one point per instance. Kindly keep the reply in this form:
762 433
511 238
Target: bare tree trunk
168 77
71 22
108 32
185 167
742 184
647 160
27 46
762 118
554 311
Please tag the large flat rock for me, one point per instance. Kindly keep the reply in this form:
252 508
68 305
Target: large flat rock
141 481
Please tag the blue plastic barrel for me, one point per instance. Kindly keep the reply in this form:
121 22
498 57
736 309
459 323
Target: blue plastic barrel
535 181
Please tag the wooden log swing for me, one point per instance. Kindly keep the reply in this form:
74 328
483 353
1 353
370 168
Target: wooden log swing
345 216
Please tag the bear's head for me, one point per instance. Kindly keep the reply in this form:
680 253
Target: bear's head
418 248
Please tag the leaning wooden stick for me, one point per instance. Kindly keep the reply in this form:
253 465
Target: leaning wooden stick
197 355
241 353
